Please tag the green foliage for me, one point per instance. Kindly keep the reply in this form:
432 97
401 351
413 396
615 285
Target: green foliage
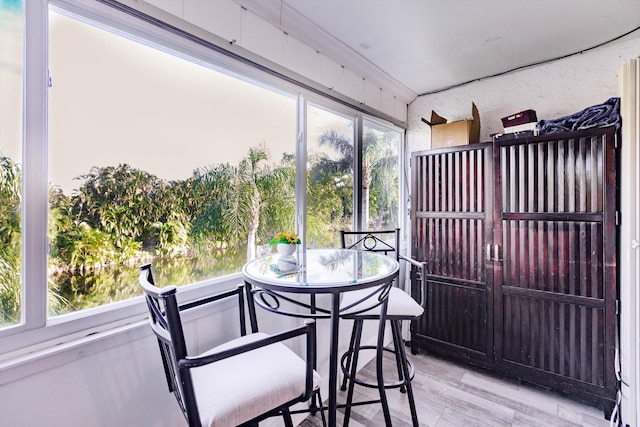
10 247
172 237
10 192
329 205
122 201
9 289
247 203
122 216
116 213
381 178
286 238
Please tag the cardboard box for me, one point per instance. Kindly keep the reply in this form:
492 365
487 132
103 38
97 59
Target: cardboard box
460 132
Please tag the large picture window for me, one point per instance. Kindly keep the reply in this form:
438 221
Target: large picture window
144 147
153 157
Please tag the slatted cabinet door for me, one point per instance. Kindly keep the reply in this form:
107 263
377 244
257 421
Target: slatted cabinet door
520 240
451 226
555 235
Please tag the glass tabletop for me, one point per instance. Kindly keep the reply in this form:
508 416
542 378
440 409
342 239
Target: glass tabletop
321 269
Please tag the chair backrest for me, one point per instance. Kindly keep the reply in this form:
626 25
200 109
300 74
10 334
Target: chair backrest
386 241
166 323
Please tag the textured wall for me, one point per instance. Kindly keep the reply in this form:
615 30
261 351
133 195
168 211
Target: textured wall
553 90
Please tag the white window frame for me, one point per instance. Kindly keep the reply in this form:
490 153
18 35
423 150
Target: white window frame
37 331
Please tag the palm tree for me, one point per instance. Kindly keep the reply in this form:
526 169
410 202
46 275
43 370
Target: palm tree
378 157
379 169
250 201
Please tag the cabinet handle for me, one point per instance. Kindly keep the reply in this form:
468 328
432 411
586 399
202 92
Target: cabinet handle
488 251
496 253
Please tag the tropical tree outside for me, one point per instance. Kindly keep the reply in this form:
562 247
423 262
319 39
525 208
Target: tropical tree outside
124 216
379 172
380 176
248 203
10 191
215 219
10 247
121 214
329 200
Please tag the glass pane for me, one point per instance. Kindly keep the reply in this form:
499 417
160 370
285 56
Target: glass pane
330 177
11 60
380 183
155 158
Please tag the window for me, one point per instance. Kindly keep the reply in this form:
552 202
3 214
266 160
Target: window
11 60
153 157
380 176
156 148
330 151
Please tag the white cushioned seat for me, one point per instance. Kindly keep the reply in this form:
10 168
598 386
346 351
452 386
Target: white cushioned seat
400 304
276 373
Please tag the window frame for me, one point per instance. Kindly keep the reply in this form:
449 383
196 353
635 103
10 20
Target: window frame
36 330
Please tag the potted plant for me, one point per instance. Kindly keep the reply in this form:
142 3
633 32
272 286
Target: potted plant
285 243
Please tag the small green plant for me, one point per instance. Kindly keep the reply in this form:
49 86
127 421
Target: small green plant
286 238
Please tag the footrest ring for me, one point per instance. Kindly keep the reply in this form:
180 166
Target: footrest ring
363 383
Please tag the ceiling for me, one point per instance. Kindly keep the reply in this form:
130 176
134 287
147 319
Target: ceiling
424 46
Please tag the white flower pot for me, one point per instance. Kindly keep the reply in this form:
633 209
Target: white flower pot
285 249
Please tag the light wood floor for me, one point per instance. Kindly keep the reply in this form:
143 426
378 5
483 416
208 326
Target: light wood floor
449 394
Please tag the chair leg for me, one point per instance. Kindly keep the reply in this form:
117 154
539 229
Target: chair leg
343 386
398 342
357 335
380 373
322 417
407 377
286 416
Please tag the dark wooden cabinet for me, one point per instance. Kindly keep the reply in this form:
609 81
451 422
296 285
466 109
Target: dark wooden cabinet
520 237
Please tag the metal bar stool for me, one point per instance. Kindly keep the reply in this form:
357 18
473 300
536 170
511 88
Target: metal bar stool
401 306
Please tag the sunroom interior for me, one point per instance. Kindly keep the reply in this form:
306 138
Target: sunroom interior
132 128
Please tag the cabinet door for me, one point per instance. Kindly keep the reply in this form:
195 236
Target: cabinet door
555 280
520 238
452 223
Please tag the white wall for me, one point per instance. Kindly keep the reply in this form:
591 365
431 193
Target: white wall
228 20
553 90
117 378
116 385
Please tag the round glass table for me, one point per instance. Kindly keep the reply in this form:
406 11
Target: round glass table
270 280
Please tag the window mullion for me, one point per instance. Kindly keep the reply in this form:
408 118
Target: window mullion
301 169
35 192
360 222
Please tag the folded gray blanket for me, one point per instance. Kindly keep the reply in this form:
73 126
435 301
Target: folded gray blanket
601 115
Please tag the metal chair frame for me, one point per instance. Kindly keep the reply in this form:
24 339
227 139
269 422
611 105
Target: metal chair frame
166 323
375 241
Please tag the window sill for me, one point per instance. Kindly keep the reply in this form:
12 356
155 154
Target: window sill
77 335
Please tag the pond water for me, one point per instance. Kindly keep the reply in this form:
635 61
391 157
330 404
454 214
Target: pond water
80 290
